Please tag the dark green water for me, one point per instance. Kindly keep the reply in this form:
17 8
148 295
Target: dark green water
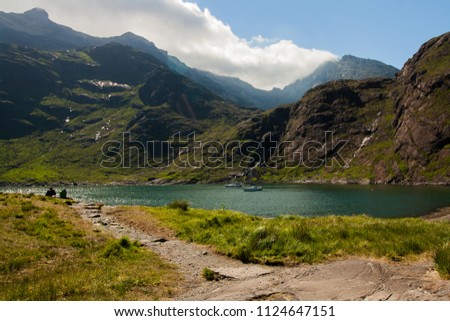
305 199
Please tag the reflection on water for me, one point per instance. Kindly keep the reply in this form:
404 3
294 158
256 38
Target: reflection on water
304 199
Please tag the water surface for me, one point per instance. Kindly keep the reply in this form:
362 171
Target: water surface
298 199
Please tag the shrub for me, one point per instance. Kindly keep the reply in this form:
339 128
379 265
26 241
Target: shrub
210 275
182 205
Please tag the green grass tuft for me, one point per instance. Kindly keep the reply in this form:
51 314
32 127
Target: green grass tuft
182 205
121 248
210 275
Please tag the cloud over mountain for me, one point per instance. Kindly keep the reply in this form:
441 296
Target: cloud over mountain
193 35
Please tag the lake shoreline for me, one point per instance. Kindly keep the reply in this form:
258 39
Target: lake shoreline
441 214
161 182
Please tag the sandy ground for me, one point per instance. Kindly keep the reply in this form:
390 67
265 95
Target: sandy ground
349 279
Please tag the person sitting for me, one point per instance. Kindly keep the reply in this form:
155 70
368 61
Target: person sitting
51 192
63 193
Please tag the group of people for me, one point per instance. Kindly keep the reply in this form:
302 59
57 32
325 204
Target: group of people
52 193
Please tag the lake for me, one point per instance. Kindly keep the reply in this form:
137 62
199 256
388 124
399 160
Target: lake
298 199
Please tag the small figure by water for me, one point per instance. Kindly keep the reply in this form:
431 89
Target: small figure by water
51 192
63 194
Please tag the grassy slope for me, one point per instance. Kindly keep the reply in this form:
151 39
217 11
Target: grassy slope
48 253
285 240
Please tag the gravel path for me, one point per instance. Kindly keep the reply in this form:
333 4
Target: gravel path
349 279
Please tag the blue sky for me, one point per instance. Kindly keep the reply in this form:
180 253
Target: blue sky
390 31
268 43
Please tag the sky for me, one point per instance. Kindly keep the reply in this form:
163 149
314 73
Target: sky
268 43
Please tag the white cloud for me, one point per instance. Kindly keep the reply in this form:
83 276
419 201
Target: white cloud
260 39
193 35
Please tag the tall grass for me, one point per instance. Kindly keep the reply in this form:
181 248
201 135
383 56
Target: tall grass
291 239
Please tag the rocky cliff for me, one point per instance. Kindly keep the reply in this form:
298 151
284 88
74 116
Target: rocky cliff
422 112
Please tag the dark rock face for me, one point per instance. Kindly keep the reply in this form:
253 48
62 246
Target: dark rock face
349 109
273 121
184 96
333 107
422 105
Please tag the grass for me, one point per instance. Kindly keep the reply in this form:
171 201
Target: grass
48 253
442 260
210 275
290 239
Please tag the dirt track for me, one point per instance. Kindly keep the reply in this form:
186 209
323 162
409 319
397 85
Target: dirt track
349 279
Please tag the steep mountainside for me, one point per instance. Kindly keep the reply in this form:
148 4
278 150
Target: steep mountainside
422 111
390 131
28 77
36 30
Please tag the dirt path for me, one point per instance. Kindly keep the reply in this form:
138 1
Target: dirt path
350 279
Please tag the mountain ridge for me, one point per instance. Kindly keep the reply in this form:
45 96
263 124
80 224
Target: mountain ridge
348 67
34 28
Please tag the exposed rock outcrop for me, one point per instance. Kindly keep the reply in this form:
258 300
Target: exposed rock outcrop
422 106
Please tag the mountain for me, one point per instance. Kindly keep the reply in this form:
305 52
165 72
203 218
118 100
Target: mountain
29 76
59 108
91 114
37 83
242 93
384 130
34 29
422 112
349 67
